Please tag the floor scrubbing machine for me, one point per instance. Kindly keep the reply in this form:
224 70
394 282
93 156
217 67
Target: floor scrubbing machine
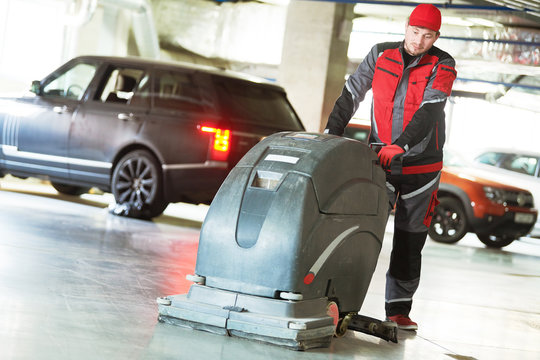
289 245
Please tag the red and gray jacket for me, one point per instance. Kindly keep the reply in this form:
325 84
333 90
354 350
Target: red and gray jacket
408 102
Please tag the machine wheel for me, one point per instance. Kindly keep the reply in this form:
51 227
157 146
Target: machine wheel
449 223
343 324
493 241
164 301
137 184
196 279
69 189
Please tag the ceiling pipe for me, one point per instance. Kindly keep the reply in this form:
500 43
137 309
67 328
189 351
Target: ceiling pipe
84 14
461 38
444 6
497 41
505 84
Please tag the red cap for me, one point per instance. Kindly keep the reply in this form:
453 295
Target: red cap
426 15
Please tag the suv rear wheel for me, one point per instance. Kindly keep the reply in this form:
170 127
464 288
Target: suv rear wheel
449 223
137 185
493 241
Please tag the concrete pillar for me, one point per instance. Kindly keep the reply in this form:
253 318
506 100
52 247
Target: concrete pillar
314 58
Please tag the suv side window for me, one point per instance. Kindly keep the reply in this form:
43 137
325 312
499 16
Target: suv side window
176 91
72 83
521 164
490 158
125 86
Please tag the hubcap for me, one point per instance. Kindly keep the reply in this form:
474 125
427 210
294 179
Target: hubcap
447 222
136 182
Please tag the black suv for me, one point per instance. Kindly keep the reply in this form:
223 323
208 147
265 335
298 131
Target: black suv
150 132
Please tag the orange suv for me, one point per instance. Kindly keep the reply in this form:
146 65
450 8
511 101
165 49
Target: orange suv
497 213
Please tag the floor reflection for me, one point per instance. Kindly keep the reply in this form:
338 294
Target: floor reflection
78 282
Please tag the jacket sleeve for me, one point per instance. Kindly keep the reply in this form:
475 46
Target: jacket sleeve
354 91
431 110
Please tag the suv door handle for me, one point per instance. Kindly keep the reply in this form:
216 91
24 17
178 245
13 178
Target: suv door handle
126 117
60 109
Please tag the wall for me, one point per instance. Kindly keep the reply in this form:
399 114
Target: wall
31 41
478 124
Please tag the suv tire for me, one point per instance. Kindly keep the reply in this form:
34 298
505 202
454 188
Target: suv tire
493 241
137 185
449 223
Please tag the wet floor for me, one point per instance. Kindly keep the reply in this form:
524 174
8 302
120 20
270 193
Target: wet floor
79 283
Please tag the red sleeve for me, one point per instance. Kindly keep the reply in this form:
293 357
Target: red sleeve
444 79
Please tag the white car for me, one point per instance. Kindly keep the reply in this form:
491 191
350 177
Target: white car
518 168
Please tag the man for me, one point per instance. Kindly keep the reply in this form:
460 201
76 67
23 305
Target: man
411 81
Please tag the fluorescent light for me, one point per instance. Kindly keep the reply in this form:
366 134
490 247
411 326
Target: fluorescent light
484 22
277 2
452 20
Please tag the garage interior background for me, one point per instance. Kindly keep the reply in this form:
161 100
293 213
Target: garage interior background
308 47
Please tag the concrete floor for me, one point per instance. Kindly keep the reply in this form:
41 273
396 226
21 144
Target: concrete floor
79 283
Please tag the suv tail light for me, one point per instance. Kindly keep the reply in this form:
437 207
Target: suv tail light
220 144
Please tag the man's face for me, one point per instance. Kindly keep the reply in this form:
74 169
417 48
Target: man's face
419 40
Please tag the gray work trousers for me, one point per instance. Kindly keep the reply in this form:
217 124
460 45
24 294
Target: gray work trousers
414 198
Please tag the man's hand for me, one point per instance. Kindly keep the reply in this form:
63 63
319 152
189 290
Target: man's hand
387 154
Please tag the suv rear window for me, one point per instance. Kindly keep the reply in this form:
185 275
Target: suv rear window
260 105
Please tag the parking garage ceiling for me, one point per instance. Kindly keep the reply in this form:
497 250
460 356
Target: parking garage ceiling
507 12
516 13
495 42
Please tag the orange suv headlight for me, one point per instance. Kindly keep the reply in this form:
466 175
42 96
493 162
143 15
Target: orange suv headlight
494 194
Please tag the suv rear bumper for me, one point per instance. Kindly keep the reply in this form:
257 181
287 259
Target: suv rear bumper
194 183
